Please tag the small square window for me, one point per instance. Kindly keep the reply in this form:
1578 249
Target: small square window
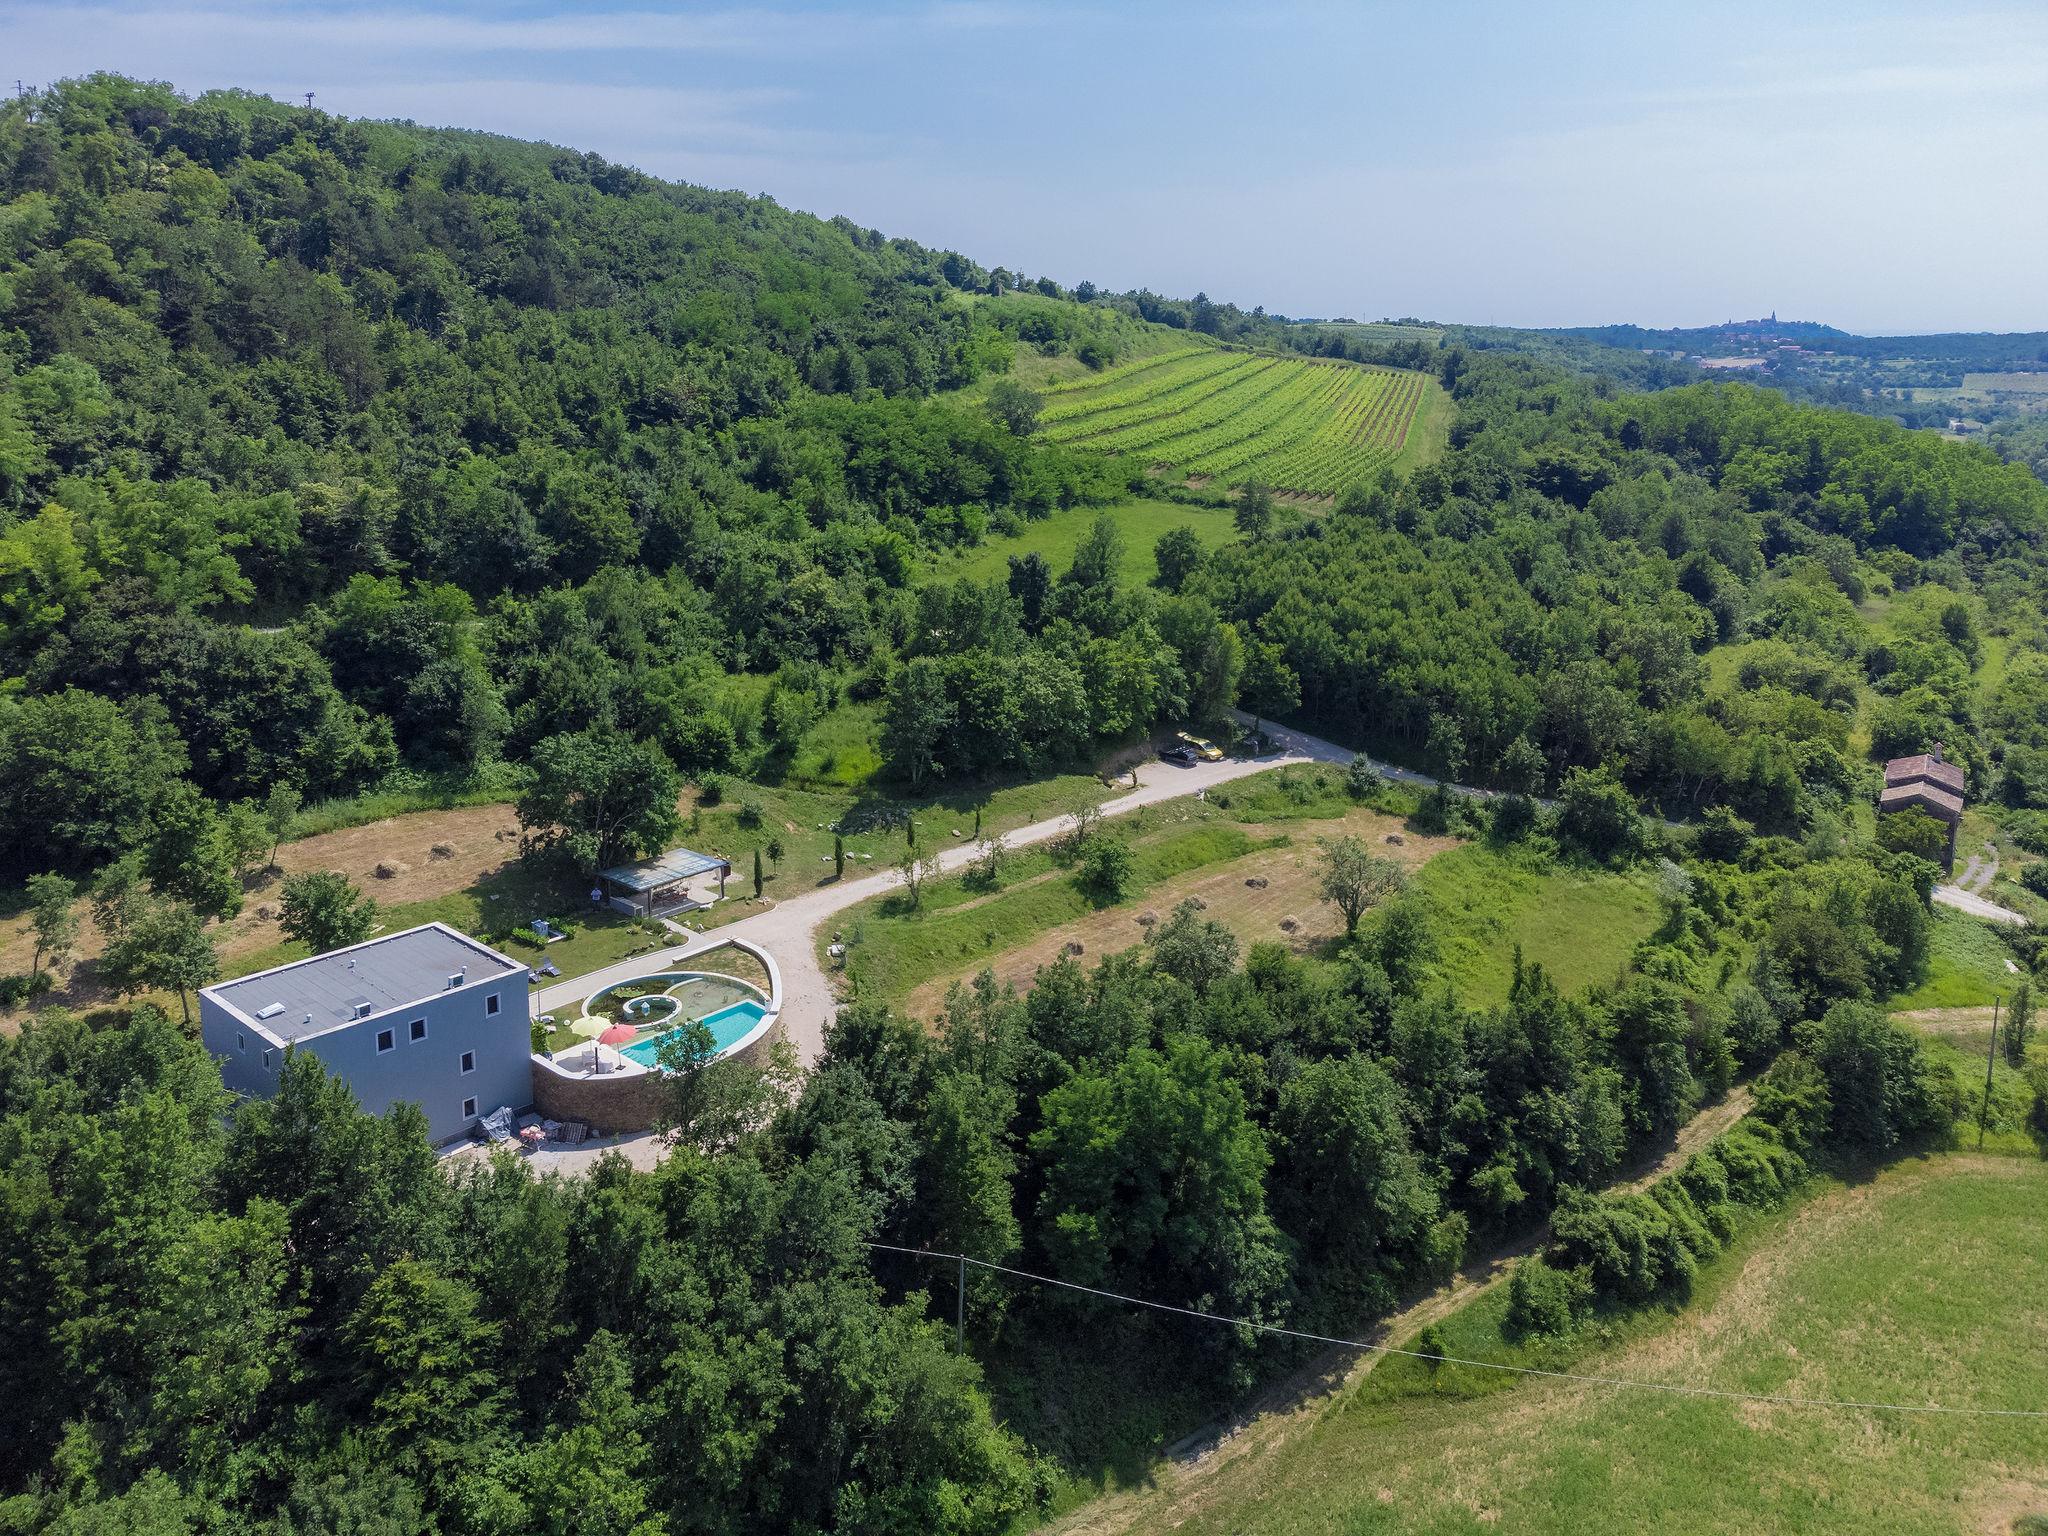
417 1029
491 1003
469 1109
469 1061
385 1041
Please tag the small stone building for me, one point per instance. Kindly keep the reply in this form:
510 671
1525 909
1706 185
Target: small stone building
1927 782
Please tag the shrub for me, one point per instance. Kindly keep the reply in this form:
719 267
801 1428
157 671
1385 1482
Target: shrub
1597 815
1722 835
710 789
1362 779
1513 817
1883 1090
985 869
1433 816
1544 1302
750 815
1107 868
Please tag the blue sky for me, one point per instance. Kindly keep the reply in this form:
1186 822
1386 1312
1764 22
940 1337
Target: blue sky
1875 166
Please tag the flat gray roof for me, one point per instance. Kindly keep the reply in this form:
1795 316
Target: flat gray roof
328 991
676 864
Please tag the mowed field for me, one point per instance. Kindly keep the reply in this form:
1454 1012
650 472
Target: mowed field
1211 414
1927 1284
2006 383
1057 536
1269 895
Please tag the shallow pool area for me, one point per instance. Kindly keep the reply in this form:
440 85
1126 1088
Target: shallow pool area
728 1025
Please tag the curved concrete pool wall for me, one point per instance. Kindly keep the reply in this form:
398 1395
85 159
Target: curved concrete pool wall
629 1099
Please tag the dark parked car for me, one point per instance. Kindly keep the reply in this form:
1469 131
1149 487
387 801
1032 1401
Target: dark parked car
1185 756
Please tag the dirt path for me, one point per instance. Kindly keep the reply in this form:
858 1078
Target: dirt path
1947 1021
1987 874
1182 1483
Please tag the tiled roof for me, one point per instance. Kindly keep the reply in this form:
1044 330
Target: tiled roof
1933 797
1903 770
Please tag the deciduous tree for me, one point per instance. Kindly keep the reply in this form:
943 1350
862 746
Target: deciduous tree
322 910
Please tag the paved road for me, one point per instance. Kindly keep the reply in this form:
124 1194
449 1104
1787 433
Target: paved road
1977 906
788 929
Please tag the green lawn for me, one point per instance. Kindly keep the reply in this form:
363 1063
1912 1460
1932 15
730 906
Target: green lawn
1966 965
1057 536
1579 925
893 947
1926 1284
750 815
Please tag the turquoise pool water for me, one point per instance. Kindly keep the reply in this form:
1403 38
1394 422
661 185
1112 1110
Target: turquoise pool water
728 1026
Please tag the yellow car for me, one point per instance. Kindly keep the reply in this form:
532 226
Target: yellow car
1207 751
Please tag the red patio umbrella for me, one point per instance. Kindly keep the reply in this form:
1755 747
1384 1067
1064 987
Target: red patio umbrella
619 1034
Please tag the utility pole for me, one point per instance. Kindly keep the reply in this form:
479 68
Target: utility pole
960 1311
1990 1056
309 101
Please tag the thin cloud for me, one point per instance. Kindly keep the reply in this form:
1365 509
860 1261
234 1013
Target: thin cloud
385 30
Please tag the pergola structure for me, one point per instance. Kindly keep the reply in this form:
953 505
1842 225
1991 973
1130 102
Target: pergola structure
660 885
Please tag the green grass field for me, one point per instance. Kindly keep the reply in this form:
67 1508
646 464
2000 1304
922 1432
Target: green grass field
1925 1284
1579 925
1056 537
2006 383
893 948
1966 966
1297 423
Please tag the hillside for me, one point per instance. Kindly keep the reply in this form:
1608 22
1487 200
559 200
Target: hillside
1212 415
1406 1450
348 469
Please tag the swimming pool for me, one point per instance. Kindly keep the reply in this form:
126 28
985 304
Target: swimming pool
728 1026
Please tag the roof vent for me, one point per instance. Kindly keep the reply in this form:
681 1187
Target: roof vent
270 1010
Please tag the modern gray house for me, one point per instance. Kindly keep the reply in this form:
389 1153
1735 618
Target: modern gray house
427 1015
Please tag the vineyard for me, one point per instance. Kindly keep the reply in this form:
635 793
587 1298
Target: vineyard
1299 424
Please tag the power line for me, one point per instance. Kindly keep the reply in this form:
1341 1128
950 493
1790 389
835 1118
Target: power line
1674 1388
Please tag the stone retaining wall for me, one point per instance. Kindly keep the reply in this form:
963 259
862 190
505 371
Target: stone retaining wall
614 1103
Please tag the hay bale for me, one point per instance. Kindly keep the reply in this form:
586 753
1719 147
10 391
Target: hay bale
1257 882
1147 919
266 912
391 869
1289 924
1396 839
1074 947
1198 904
442 851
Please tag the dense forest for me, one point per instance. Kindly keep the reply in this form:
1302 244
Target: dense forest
284 1316
329 449
334 455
